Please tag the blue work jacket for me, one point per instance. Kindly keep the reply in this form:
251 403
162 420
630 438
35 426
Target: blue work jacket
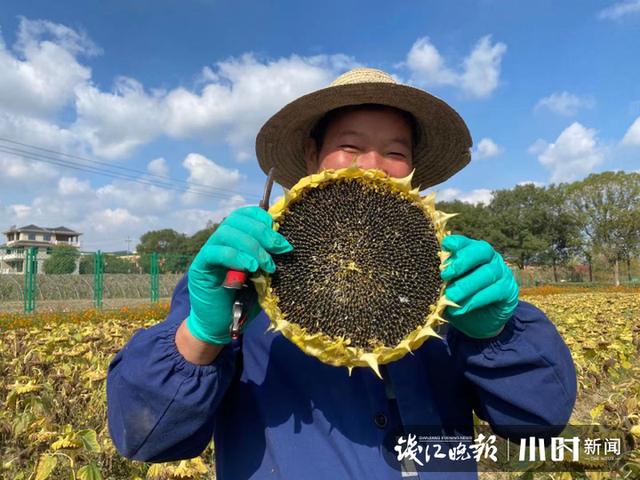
286 415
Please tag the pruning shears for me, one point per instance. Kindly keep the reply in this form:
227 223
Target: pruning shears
237 279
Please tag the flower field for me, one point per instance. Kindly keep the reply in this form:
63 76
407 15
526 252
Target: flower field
53 369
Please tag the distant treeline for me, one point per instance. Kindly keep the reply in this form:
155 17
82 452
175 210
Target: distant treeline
595 218
598 217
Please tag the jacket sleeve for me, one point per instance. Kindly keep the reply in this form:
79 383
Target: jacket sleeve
523 381
160 407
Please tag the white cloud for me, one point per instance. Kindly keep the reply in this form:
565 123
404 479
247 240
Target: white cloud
208 75
34 32
108 214
19 211
35 131
564 103
24 167
487 148
478 77
620 9
244 93
574 154
190 220
106 222
427 65
72 186
225 207
139 198
480 195
158 167
116 123
109 220
33 81
207 173
632 137
233 103
33 87
18 173
229 102
482 68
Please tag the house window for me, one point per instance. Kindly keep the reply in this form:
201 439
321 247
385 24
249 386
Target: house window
47 237
32 236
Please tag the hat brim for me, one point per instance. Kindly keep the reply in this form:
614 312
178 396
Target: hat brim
443 148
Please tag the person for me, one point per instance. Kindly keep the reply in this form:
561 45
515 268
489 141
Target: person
275 412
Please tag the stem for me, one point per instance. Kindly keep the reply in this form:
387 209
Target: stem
73 468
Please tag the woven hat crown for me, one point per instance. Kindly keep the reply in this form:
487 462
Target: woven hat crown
443 140
363 75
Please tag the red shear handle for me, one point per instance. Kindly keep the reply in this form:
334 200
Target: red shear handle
235 279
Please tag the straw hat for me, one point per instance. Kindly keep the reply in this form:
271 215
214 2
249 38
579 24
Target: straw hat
444 142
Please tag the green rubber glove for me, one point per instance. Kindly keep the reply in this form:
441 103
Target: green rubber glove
243 241
481 283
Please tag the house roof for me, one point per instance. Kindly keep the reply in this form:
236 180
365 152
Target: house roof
37 229
26 228
62 230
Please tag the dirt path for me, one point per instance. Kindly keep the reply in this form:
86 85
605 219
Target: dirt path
74 305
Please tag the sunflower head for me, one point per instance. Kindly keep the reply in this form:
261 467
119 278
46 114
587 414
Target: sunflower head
362 285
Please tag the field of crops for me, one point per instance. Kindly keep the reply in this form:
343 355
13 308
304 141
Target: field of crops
53 370
76 287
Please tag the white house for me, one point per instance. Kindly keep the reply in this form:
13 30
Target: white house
13 252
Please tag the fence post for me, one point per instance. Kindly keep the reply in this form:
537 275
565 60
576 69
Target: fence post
155 281
98 279
30 266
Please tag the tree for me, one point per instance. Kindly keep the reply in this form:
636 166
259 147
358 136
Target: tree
172 247
112 264
117 264
86 264
627 235
473 221
631 247
561 229
520 220
606 206
63 259
198 239
161 241
176 250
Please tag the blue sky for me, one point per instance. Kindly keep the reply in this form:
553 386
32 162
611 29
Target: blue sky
175 91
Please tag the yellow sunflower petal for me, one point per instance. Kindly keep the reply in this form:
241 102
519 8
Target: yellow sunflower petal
339 351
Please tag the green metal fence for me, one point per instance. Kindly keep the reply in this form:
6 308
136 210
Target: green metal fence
155 278
30 270
28 277
98 279
29 280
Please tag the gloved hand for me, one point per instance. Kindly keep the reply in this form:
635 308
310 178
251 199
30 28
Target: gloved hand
481 283
243 241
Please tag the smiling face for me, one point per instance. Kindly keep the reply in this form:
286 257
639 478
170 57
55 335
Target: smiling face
377 137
